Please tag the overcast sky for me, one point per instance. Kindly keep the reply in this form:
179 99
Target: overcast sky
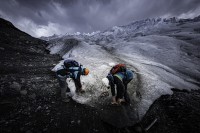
48 17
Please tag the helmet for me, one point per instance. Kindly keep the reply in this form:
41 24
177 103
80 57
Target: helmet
86 71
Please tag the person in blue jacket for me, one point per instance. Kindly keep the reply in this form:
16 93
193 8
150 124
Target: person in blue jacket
121 80
70 69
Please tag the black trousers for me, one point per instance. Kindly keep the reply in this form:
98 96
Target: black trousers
126 95
77 82
120 88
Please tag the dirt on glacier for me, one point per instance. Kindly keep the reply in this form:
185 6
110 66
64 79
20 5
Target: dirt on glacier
30 103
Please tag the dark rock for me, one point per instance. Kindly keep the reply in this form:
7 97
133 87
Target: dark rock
72 122
38 108
22 80
24 104
45 129
13 90
176 113
32 96
2 48
29 131
79 121
22 129
23 92
15 86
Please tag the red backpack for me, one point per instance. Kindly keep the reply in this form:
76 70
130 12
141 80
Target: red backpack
118 68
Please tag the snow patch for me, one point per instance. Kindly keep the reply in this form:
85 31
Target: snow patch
105 82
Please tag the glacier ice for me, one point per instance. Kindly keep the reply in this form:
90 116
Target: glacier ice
154 49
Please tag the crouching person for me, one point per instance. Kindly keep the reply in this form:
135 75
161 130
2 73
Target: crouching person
119 76
70 69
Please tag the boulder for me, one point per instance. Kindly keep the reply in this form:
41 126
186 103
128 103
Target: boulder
23 92
15 86
32 96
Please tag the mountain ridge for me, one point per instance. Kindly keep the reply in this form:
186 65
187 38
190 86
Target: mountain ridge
137 23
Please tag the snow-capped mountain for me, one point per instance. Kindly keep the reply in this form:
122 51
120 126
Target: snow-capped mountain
164 53
54 36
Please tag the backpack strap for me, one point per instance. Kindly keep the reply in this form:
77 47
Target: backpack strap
119 76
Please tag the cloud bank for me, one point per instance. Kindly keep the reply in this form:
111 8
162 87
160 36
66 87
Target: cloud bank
48 17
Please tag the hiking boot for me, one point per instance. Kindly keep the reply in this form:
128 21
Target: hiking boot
120 101
114 103
80 91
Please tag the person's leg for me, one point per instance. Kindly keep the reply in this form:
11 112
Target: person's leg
120 89
126 95
78 84
63 86
114 101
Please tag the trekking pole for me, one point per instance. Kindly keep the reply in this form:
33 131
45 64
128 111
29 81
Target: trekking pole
152 123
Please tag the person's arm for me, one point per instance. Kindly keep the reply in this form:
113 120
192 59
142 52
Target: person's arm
73 72
111 83
77 70
69 75
82 70
125 85
112 87
62 73
112 90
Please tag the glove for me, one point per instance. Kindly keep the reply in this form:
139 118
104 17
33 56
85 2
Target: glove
109 77
67 76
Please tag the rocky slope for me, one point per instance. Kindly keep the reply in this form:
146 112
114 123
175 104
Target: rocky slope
177 113
28 101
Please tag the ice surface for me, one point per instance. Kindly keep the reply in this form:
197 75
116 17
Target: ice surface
106 82
164 54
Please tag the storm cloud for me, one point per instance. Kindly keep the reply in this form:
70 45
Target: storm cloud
48 17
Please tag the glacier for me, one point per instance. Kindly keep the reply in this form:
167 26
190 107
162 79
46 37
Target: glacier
164 53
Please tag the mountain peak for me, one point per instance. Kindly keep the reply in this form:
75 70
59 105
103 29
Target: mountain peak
197 18
5 24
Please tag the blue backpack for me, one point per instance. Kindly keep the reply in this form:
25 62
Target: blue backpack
129 75
71 63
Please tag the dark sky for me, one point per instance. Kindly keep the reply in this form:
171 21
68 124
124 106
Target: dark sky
48 17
